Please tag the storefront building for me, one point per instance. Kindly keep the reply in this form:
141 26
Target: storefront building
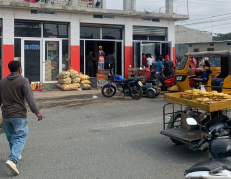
48 39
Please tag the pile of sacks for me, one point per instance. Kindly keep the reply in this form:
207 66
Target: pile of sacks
84 81
68 80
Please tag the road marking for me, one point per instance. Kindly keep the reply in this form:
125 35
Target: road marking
128 124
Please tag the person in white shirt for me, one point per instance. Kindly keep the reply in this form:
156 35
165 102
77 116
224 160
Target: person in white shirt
149 61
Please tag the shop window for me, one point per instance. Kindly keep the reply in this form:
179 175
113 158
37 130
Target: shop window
228 43
17 49
190 45
65 56
157 38
109 33
212 44
196 50
55 30
98 16
89 32
27 29
155 20
210 49
140 37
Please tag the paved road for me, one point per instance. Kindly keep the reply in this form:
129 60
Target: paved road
109 139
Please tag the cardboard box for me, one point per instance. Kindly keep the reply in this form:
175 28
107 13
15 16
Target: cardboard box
184 122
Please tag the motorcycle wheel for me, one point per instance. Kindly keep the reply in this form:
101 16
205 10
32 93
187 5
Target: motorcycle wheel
157 94
136 92
150 93
108 91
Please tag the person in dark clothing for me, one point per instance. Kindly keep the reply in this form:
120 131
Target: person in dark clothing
90 64
110 60
168 66
14 89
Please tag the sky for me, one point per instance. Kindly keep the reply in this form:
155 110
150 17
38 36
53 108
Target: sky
205 15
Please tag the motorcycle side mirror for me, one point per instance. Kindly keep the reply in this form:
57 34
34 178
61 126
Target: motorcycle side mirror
191 122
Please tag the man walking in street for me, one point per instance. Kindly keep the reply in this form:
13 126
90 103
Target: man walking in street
14 89
168 66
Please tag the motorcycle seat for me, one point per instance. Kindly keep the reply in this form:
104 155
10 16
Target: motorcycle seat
200 80
129 79
193 76
210 165
165 78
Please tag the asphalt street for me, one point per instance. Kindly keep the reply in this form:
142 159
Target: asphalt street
107 139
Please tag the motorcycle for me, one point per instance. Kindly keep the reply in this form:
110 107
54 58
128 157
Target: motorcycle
130 87
218 142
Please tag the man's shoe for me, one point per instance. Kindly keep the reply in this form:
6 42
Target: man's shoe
20 157
12 166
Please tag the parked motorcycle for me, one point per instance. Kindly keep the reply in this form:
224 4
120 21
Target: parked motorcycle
130 87
218 142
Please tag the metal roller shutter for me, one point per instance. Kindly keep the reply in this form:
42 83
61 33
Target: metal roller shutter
149 31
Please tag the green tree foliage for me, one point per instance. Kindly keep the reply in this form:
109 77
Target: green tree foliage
221 37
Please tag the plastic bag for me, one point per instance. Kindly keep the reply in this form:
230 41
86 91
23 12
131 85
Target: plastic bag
74 86
74 74
64 87
33 86
63 75
78 84
64 81
202 88
86 86
85 82
76 80
84 77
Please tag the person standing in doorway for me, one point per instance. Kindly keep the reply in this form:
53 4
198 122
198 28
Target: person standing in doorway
144 60
110 61
14 89
149 61
168 66
101 56
90 64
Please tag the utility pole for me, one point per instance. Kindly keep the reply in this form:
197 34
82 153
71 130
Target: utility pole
187 8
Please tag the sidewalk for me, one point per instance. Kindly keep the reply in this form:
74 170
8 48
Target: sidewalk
59 94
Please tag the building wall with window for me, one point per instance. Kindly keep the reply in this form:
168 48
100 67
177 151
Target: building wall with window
65 28
209 46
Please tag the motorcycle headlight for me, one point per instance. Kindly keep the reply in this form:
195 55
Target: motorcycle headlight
179 78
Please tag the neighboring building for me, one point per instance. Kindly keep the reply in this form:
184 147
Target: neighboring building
186 35
50 37
209 46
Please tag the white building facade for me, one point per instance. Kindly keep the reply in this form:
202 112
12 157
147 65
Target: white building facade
52 36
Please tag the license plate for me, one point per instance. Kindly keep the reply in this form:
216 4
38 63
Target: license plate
140 83
178 78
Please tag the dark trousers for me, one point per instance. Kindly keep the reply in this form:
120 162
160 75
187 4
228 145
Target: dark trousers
167 73
90 71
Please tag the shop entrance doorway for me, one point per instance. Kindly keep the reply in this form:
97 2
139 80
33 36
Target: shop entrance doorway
153 48
109 47
31 54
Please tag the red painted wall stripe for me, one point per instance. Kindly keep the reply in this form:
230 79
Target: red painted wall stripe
7 56
75 57
173 54
128 59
